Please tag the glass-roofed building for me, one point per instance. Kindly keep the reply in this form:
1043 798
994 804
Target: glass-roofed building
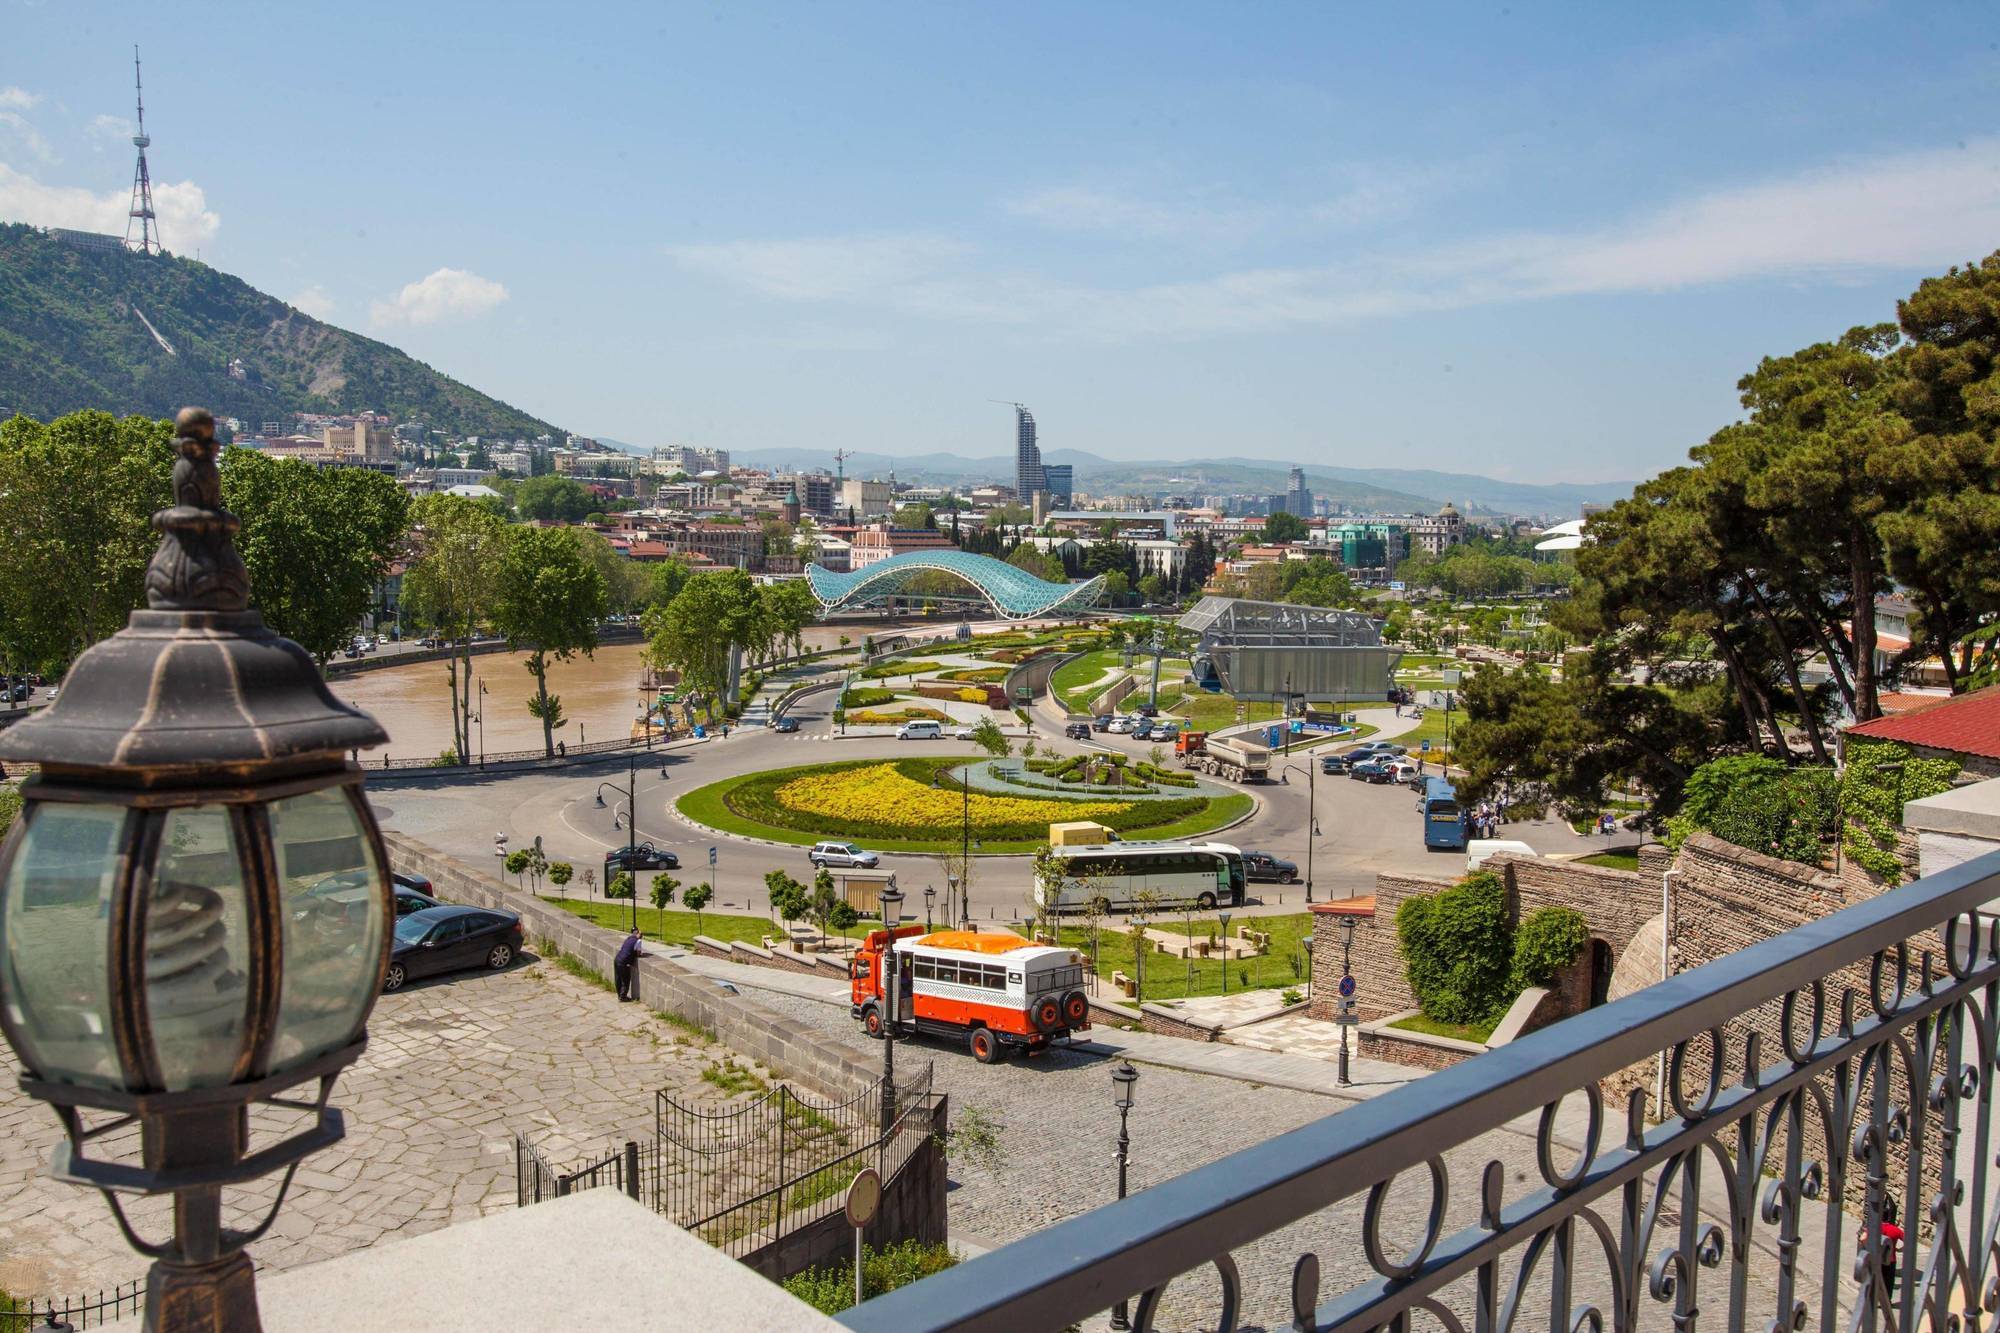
1014 594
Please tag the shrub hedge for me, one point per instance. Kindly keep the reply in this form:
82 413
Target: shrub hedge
866 698
1465 958
831 1289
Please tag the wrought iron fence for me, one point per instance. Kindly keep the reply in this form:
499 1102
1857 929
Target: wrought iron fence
743 1177
629 1168
77 1312
1823 1161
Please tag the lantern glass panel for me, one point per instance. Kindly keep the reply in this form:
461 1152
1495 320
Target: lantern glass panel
330 895
197 922
57 922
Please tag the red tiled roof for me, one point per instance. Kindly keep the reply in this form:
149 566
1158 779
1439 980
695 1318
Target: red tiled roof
1962 724
1903 703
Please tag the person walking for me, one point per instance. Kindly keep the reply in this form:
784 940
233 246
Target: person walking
626 964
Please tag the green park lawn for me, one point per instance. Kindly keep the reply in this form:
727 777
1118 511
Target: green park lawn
1431 1027
1167 977
1612 860
1075 682
674 926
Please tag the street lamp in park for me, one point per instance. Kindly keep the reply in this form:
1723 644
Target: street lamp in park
631 820
1123 1080
1224 918
929 894
195 907
892 994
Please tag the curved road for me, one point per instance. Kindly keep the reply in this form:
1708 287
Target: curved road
1363 829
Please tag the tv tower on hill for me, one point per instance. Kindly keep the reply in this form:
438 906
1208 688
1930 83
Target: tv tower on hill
143 217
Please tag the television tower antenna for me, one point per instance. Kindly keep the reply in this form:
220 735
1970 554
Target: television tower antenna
142 216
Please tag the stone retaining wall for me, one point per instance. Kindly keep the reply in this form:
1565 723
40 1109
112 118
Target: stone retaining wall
1157 1018
1418 1050
794 1050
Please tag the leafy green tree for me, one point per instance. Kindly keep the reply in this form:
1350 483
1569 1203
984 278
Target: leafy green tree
560 874
1457 948
693 633
662 894
316 542
788 897
452 585
620 885
988 737
696 898
626 581
916 516
553 499
517 863
1026 557
665 579
1284 528
77 497
550 601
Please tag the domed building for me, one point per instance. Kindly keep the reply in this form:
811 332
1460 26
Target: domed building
1435 536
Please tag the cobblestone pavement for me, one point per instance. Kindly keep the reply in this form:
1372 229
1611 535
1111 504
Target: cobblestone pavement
454 1068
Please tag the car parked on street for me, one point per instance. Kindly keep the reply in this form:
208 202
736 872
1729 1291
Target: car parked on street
843 855
1368 770
451 939
1147 710
1336 763
963 734
1120 726
1077 731
1142 729
1100 723
1264 868
1166 731
919 731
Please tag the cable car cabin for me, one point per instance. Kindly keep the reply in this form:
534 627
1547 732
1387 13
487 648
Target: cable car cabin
995 992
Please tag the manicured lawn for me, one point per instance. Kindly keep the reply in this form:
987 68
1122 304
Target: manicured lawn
710 806
677 927
1430 1027
1211 712
1167 976
1076 682
1612 860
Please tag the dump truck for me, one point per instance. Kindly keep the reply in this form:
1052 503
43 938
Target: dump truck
1189 744
1233 758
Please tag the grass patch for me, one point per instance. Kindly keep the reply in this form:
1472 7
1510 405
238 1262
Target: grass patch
688 1025
676 927
831 1289
1430 1027
1171 978
1612 860
733 1078
746 805
824 1183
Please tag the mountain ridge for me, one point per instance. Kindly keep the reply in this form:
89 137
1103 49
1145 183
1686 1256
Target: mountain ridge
125 332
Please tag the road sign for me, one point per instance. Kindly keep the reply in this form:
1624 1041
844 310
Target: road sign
711 856
864 1197
1426 747
1347 987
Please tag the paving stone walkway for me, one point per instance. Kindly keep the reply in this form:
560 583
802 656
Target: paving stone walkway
453 1069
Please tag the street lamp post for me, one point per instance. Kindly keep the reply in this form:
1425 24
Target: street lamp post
892 988
1123 1080
194 778
631 826
1139 956
1347 924
1224 917
929 894
481 719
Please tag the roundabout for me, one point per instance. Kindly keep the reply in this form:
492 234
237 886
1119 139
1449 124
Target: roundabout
918 805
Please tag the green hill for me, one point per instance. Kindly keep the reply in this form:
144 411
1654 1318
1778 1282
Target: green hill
72 336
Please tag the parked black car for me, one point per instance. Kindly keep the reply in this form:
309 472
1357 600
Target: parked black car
1077 731
449 939
407 880
1147 710
1102 722
1335 763
409 900
1368 770
785 726
1264 868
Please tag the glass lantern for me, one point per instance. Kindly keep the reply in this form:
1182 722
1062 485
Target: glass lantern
194 902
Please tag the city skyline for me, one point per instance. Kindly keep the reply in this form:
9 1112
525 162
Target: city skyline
1529 245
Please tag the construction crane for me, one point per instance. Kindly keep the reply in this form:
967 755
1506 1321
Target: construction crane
840 457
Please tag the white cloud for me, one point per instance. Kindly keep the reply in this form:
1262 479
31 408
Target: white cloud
186 221
108 131
448 293
315 300
16 129
1355 196
1911 210
18 99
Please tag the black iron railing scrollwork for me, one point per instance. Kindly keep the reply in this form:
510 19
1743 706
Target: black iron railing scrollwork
1825 1162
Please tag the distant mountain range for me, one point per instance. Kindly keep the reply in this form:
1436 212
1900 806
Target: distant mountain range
1389 489
105 328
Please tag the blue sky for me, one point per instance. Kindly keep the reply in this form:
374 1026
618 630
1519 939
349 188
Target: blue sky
1534 241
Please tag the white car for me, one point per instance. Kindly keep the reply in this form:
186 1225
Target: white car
919 731
1121 725
843 854
962 734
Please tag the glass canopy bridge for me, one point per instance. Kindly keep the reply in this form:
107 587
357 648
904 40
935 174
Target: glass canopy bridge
1013 594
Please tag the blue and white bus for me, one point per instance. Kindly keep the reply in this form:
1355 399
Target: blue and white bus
1444 817
1175 874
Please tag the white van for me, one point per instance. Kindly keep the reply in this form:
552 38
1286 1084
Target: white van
1479 849
919 731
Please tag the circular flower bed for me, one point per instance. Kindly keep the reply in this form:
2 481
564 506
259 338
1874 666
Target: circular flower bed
893 801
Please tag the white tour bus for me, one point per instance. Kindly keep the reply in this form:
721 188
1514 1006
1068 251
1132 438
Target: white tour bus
1204 874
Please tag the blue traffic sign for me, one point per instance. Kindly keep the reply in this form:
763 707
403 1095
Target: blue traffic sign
1427 747
1347 986
711 856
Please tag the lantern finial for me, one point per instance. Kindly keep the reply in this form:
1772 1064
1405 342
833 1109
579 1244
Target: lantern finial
197 567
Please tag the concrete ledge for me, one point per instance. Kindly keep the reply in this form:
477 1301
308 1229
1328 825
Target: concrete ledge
710 948
1419 1050
1303 1006
555 1267
1172 1023
1520 1019
745 952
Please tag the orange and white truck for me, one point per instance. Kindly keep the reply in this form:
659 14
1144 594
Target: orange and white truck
994 992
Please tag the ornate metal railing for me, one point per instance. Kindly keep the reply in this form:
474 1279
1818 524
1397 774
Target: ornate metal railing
1775 1195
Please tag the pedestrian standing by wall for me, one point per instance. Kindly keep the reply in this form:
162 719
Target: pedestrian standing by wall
626 963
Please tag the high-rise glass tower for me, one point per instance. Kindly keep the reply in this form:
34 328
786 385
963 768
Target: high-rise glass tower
1027 456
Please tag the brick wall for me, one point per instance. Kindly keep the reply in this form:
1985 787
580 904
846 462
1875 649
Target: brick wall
1382 1044
1168 1023
740 1023
1381 986
1615 903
